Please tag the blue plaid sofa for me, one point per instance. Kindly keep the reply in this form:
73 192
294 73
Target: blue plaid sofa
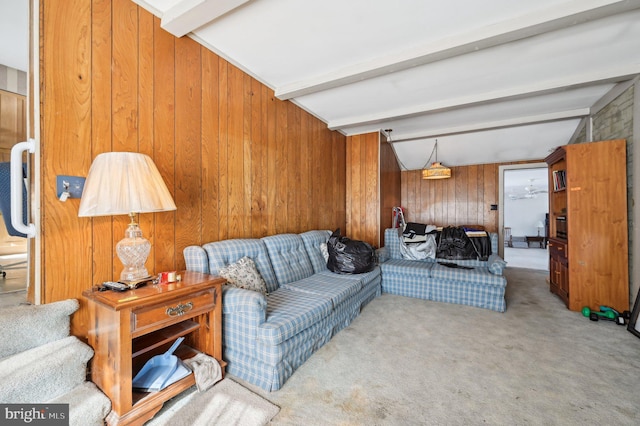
483 286
266 338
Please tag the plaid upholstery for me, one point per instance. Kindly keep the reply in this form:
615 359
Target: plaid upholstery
289 312
331 287
479 275
407 285
432 281
312 241
462 293
288 257
196 259
284 359
407 267
392 243
271 353
222 253
363 279
266 338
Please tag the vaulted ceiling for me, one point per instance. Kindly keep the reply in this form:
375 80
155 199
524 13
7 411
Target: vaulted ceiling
492 81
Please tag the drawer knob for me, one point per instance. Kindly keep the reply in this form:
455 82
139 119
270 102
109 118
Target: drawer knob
180 309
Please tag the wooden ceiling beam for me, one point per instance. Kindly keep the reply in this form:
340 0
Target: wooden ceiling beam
571 13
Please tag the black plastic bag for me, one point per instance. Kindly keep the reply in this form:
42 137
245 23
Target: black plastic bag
348 256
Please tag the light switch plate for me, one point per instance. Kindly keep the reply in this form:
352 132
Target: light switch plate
76 185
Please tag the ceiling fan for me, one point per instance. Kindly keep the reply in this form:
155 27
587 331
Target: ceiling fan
530 191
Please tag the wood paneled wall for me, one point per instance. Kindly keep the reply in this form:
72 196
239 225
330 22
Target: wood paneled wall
363 201
463 199
239 162
390 186
13 122
373 187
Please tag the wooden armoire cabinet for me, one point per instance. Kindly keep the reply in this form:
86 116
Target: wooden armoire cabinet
588 228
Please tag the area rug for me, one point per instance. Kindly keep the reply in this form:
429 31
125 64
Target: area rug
226 403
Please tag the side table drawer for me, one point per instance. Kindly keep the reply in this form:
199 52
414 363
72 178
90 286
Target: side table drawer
150 318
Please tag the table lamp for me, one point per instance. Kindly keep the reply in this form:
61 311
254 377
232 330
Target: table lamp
539 225
126 183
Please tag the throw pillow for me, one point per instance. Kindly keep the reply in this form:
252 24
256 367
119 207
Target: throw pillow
496 264
244 274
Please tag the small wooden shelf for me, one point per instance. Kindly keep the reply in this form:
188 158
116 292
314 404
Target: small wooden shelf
149 342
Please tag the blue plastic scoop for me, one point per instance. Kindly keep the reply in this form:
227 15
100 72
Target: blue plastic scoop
160 371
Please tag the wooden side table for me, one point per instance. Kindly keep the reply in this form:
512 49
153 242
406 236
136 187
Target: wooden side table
540 239
128 328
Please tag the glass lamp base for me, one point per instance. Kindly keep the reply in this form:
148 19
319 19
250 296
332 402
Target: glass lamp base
133 251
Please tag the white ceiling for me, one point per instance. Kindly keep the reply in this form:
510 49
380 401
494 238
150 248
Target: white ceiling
492 81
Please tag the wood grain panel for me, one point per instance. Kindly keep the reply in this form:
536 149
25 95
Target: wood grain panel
164 147
390 187
239 162
124 96
210 145
597 225
372 189
65 149
102 227
188 137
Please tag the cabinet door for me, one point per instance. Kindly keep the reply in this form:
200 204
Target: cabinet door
597 224
559 277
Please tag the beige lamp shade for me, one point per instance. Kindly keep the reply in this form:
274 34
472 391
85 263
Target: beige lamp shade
436 171
124 183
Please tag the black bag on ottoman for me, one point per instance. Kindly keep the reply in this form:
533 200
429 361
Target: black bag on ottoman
348 256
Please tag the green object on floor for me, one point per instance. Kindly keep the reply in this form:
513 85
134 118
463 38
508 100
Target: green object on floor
607 314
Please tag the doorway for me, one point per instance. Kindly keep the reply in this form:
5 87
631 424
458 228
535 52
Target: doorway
16 118
523 220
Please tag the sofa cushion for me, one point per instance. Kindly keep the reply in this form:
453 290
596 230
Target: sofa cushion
477 275
289 312
364 278
332 287
288 257
222 253
407 267
244 274
313 241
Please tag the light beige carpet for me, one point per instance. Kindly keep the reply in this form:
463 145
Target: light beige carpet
407 361
226 403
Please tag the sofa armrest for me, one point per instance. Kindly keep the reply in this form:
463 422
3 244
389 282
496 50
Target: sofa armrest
27 326
496 264
248 303
196 259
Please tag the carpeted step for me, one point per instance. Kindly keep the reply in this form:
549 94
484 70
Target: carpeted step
87 405
44 372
